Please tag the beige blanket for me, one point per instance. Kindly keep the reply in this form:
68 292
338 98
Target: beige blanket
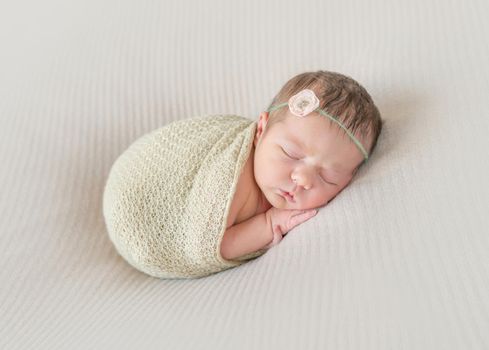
167 197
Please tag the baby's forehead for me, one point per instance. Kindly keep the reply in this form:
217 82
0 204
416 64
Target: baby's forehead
331 142
318 126
299 128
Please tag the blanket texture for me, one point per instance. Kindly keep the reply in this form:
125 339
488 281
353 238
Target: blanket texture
167 197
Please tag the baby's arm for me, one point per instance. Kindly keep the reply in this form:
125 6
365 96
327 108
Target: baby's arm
246 237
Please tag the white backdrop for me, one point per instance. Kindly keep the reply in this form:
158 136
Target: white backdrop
398 260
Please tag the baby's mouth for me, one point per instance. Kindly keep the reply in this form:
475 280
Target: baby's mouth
288 196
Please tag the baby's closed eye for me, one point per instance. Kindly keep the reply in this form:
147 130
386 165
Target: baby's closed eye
290 156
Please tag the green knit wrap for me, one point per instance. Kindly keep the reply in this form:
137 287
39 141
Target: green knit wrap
167 197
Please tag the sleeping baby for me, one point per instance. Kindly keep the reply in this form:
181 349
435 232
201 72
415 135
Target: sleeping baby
205 194
319 129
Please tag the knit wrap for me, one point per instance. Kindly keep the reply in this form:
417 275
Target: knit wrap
168 195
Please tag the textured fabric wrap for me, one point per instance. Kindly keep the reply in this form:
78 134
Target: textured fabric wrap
167 197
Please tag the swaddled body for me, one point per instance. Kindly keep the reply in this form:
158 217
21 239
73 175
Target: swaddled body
168 196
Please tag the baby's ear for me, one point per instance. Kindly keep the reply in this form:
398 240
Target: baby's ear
261 126
263 120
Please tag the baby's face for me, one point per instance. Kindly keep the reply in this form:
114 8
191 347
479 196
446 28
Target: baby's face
319 156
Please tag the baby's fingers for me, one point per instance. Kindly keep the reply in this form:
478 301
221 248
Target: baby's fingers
301 217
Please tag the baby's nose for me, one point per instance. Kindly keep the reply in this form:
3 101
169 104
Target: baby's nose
302 180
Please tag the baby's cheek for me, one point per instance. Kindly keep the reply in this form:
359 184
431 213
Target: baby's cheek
263 175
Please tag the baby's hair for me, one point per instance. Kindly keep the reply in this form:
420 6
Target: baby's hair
340 96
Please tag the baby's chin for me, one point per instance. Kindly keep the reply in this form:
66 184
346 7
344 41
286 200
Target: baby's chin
266 202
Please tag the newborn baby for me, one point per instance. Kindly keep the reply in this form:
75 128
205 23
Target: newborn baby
308 145
205 194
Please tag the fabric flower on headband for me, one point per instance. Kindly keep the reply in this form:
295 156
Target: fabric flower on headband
303 103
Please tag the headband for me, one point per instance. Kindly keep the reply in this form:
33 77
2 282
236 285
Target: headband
306 102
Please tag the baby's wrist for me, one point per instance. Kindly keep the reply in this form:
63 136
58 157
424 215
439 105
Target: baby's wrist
273 237
269 230
277 237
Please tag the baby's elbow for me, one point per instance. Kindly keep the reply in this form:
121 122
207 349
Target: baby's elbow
225 249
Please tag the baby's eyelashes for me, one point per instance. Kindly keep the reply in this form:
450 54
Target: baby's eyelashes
288 155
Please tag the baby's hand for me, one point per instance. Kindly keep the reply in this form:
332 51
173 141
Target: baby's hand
283 220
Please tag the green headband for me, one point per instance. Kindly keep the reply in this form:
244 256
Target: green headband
306 102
